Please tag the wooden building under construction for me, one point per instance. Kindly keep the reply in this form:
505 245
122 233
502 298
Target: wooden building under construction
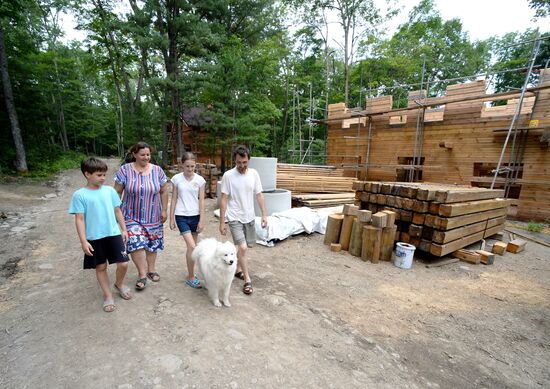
454 139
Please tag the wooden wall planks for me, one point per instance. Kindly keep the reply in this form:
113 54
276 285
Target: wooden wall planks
473 138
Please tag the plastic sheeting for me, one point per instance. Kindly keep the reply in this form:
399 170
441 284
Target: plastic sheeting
294 221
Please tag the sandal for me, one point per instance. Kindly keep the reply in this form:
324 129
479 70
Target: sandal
124 292
247 288
239 275
194 283
109 305
153 276
141 283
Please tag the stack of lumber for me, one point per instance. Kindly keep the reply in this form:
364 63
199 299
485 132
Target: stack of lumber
211 174
436 218
362 233
309 170
338 111
316 200
312 179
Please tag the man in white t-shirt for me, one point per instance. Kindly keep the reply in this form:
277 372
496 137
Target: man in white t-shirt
239 186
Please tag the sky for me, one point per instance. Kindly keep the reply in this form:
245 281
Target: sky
480 18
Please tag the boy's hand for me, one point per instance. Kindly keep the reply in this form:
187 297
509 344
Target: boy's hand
172 224
222 227
124 236
88 249
200 226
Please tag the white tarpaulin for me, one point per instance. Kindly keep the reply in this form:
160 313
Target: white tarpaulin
294 221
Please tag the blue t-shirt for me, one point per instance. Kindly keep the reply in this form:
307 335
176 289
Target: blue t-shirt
98 207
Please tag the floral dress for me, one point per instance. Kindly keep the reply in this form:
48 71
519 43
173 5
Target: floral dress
141 207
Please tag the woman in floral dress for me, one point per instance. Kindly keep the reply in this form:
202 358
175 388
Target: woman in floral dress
144 191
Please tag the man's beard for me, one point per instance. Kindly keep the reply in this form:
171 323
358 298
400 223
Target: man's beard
242 170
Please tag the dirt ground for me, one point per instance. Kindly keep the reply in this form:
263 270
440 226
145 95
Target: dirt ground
317 319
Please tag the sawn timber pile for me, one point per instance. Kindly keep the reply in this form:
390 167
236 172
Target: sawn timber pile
436 218
302 179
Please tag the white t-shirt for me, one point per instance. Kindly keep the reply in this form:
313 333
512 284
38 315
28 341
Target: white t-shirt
241 190
188 194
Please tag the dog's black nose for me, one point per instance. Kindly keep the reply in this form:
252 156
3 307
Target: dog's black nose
231 262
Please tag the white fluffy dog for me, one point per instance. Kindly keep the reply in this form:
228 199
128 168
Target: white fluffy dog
217 263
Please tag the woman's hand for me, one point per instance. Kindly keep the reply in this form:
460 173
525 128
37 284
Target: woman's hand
163 216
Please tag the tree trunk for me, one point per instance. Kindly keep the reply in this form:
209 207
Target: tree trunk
20 156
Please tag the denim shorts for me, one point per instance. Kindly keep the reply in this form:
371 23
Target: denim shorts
187 223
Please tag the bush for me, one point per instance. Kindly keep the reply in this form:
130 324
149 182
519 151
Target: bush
535 227
47 164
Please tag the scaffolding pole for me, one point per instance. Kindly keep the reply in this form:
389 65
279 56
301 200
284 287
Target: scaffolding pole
517 111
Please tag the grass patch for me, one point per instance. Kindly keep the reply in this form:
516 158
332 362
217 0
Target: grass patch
44 166
535 227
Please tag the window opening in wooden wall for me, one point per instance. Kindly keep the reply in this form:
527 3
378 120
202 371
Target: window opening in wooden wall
483 176
402 173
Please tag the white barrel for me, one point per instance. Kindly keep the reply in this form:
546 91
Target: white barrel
404 254
277 200
267 169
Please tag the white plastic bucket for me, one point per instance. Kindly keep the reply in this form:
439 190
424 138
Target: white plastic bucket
404 254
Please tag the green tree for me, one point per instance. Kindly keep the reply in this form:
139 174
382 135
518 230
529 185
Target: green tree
511 55
447 50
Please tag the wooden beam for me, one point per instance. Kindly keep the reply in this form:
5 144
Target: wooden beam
457 209
444 249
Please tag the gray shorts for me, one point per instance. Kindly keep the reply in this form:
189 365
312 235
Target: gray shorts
243 232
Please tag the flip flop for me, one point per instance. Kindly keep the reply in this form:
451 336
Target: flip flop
124 292
143 282
109 305
239 275
153 276
194 283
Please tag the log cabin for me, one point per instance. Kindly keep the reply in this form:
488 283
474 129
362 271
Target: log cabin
454 139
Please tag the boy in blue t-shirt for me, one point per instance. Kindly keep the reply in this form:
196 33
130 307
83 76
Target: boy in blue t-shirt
101 229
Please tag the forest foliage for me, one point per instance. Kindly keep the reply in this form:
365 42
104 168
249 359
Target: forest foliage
247 71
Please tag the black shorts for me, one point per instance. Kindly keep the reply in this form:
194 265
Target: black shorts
109 249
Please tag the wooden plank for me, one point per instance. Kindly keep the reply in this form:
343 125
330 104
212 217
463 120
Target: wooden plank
447 236
457 209
499 248
487 258
391 217
335 247
387 241
345 232
467 256
356 238
334 224
444 249
516 246
380 219
415 230
419 218
350 209
370 250
442 223
458 196
364 216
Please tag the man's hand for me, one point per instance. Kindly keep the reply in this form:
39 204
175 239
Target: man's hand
125 236
223 228
173 224
264 222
